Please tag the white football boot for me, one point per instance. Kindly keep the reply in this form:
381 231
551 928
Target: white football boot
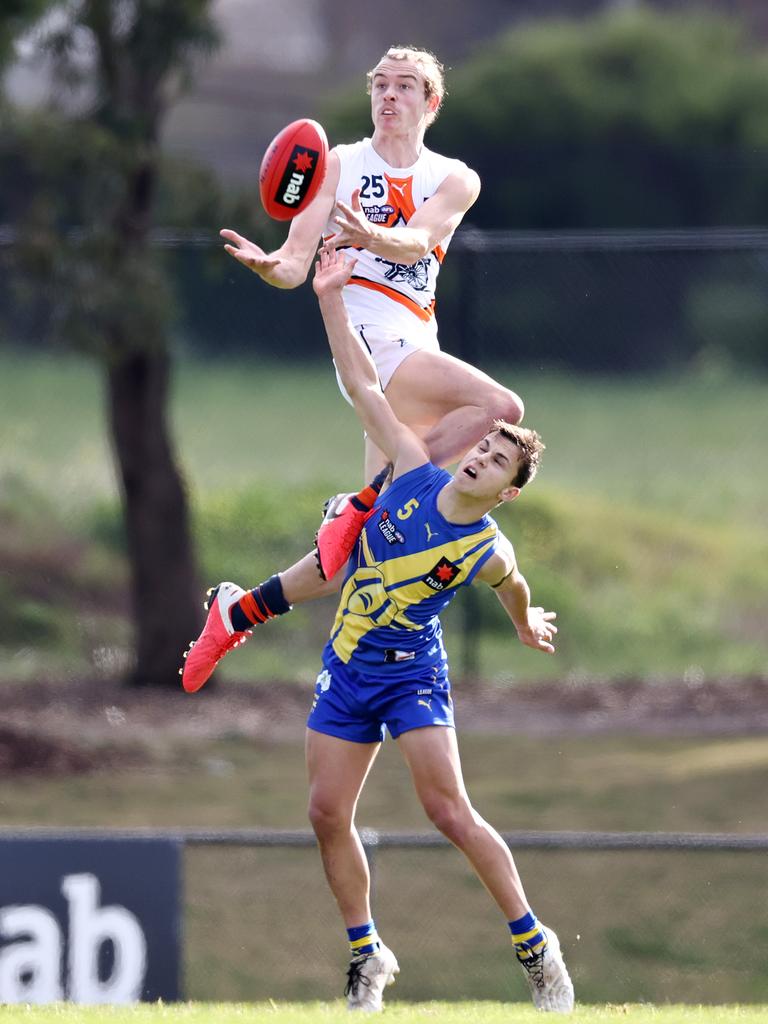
367 977
547 976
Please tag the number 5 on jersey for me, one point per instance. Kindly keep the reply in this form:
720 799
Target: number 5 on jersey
408 509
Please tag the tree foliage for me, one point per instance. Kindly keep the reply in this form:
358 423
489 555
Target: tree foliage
635 118
84 177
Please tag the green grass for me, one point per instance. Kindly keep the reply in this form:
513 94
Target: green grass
485 1012
601 783
691 447
646 529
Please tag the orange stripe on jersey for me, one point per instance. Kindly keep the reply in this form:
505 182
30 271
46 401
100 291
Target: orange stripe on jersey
421 312
400 198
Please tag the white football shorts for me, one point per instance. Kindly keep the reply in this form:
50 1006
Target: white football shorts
389 349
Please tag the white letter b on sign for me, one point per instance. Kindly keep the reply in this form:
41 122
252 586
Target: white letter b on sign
90 926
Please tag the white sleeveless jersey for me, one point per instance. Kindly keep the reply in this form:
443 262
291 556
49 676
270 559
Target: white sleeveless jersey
398 296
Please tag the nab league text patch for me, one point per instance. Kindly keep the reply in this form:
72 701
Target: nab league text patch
389 531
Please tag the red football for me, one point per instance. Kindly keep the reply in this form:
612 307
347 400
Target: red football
293 169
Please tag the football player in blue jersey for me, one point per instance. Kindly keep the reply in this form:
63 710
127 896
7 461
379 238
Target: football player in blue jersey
384 666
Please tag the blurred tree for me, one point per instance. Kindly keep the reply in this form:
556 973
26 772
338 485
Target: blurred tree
85 190
15 17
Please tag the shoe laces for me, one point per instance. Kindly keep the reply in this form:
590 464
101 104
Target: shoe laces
534 966
355 976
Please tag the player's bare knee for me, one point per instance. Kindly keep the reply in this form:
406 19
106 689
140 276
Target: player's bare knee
327 819
450 817
507 406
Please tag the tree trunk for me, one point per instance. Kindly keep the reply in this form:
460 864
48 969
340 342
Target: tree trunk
165 593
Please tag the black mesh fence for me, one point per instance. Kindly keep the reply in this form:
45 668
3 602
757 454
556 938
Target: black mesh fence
608 302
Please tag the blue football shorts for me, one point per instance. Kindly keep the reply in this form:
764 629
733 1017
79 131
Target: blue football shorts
362 709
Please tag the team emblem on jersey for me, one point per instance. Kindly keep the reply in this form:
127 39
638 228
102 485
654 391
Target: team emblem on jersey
415 274
443 574
389 531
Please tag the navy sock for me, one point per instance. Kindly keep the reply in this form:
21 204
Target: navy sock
259 605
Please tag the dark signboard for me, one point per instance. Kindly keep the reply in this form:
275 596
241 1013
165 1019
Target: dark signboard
89 920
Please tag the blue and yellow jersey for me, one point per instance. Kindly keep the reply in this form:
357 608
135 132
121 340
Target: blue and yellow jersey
408 565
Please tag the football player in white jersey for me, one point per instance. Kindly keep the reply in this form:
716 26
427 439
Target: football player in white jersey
400 231
448 402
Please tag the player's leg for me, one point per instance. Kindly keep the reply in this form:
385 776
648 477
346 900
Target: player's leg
233 613
448 402
337 770
432 756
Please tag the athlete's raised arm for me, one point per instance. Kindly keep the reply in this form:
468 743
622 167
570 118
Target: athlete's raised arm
535 627
358 371
440 215
288 266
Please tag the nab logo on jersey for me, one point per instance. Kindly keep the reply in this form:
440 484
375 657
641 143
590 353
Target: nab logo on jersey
443 574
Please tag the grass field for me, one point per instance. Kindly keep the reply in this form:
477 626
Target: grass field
686 446
646 529
605 906
317 1013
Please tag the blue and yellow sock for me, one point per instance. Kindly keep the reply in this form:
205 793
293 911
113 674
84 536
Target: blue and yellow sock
363 939
528 936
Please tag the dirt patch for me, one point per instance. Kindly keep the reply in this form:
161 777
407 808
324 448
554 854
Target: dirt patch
28 753
674 708
79 726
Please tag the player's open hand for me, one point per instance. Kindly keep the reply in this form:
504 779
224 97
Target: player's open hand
251 256
354 228
332 270
539 631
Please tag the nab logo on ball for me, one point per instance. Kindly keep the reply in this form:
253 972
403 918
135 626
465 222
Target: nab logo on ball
298 175
293 169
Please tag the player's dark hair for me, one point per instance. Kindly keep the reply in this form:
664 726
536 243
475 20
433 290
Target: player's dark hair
529 446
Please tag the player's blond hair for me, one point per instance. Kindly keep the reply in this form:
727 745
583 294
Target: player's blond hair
430 67
529 448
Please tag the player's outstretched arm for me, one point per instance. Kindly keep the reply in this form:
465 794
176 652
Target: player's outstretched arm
356 368
288 266
439 216
535 626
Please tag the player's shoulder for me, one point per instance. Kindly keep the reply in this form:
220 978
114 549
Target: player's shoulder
453 174
350 150
501 560
448 164
426 474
